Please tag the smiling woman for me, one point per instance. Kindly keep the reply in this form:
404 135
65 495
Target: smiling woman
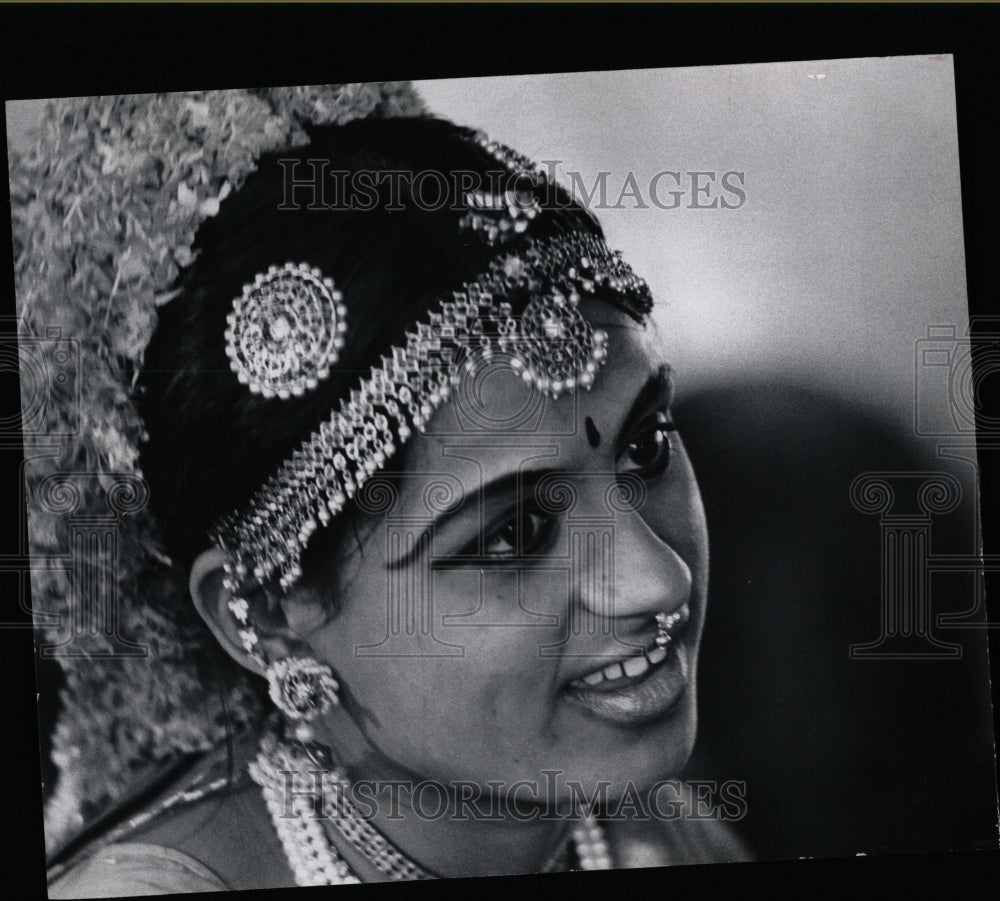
417 463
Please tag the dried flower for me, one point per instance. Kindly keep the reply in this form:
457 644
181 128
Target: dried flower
105 205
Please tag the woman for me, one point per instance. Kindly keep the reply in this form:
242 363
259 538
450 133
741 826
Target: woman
411 439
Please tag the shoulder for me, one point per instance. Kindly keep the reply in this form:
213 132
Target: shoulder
232 834
127 869
222 843
209 831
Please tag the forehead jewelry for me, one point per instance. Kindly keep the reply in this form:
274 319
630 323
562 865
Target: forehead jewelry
550 345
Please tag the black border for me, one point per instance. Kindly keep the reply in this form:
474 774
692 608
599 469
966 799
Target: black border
58 50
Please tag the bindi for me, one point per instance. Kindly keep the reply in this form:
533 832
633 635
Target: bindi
593 436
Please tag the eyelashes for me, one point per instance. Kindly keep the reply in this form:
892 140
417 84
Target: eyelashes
525 534
528 531
648 450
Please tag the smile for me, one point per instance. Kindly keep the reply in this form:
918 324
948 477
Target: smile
642 688
635 667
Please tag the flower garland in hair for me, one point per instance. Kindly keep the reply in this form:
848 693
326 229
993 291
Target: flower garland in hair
105 205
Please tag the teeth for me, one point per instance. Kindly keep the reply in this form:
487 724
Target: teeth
634 666
614 671
657 655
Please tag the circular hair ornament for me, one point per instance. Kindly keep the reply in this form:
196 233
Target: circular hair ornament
286 330
558 350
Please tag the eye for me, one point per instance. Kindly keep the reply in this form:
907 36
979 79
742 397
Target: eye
648 453
524 533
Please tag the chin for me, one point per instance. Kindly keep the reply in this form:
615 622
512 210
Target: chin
635 757
660 750
642 729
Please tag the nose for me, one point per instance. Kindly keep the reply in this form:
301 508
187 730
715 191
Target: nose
627 570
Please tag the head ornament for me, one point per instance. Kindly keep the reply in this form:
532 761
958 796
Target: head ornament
550 344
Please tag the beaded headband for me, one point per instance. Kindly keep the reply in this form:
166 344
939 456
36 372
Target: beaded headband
285 331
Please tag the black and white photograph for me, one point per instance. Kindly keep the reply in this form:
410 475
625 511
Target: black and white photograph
504 475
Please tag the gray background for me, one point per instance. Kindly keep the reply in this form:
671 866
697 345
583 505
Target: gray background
850 240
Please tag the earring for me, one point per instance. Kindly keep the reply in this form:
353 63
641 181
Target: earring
302 689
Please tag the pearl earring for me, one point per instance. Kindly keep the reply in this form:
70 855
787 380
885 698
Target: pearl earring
302 689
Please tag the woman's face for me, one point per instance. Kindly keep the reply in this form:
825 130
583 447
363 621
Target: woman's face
497 618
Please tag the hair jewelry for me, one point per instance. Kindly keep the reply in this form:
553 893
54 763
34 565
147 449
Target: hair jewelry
497 217
286 330
551 345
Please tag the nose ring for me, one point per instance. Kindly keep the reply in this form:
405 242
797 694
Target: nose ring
664 624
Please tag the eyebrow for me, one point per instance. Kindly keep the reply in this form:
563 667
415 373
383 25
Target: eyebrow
656 393
509 483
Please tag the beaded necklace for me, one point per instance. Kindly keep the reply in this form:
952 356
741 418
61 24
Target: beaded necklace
313 858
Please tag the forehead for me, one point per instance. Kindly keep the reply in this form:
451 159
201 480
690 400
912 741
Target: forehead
494 418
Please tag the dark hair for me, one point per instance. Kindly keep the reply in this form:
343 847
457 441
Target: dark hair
211 442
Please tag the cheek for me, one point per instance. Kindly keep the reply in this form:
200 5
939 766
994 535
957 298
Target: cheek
432 654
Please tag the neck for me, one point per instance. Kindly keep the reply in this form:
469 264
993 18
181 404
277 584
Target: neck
451 829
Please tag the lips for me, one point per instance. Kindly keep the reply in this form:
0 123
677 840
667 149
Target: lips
639 688
621 672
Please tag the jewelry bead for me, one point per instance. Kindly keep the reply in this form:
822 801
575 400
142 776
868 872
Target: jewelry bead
315 861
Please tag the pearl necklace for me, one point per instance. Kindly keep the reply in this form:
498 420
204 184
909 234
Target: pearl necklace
313 858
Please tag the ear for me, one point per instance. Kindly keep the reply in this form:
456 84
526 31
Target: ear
211 600
282 632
